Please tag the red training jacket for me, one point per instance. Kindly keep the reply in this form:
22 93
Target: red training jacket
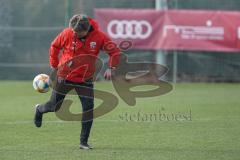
77 60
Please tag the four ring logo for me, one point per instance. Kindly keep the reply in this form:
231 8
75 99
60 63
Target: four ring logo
129 29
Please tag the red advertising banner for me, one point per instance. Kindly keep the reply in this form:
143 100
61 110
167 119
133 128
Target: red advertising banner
173 29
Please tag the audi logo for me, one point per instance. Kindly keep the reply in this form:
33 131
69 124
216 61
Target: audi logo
129 29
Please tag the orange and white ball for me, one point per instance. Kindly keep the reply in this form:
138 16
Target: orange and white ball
41 83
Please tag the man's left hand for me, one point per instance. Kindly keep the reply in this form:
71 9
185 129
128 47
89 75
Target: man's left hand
109 73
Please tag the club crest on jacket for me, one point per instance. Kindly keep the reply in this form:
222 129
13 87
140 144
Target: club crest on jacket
93 45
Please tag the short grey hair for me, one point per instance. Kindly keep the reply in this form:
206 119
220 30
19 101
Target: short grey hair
79 23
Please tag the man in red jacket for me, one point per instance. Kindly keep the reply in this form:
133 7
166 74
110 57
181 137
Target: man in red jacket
73 54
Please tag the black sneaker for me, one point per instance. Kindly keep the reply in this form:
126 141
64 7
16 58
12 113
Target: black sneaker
38 117
85 146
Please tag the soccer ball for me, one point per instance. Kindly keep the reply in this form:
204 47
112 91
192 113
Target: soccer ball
41 83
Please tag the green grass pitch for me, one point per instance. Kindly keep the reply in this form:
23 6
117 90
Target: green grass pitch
212 133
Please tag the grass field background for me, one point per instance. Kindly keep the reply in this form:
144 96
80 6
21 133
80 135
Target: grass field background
212 134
